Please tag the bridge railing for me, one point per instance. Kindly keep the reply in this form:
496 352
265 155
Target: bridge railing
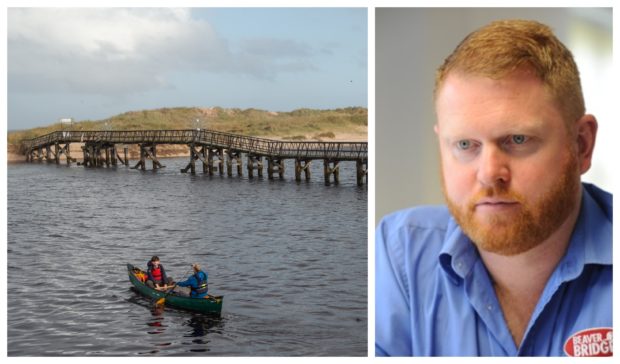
235 141
288 149
127 137
215 139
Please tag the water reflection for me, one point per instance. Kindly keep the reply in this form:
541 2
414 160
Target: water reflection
155 324
201 325
197 326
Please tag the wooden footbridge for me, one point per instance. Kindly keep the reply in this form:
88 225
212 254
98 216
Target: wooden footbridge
213 149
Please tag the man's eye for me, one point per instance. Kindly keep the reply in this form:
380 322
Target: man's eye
464 144
519 139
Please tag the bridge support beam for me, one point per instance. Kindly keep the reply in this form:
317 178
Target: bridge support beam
113 156
48 153
86 161
215 159
142 163
331 167
203 156
125 161
233 156
66 150
255 162
275 165
361 166
195 154
302 165
148 151
97 154
88 152
33 154
107 159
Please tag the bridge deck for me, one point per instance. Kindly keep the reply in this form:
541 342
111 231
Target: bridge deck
213 139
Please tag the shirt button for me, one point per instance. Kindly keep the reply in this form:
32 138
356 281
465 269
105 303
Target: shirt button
459 264
490 307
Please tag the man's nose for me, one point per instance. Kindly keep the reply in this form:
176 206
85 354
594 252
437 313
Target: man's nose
493 168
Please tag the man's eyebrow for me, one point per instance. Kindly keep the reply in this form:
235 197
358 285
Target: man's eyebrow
529 128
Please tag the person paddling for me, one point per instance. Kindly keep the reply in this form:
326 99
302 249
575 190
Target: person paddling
157 277
197 283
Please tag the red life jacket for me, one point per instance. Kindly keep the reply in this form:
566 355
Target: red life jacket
156 272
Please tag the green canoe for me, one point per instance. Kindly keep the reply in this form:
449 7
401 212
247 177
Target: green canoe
209 304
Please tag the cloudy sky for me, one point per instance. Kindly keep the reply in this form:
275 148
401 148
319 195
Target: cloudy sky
99 62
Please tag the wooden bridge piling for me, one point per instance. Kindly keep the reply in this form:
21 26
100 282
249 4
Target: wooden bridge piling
361 167
202 155
94 154
275 165
86 155
302 165
210 155
331 168
148 151
108 161
126 152
34 155
113 159
194 155
60 150
152 152
191 166
255 162
233 157
215 160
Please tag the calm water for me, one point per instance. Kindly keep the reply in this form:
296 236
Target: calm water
290 259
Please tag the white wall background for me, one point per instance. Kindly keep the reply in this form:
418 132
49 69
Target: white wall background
409 46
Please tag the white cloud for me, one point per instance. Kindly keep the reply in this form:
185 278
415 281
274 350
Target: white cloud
119 51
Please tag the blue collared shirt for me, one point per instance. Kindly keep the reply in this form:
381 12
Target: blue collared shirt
434 296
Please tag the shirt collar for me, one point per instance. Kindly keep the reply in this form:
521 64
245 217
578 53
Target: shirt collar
590 243
458 254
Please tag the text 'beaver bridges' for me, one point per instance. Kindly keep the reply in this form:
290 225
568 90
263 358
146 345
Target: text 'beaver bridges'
213 149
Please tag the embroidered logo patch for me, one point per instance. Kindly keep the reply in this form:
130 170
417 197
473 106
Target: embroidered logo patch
590 342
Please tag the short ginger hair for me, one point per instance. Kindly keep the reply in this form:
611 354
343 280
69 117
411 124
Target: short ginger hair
505 46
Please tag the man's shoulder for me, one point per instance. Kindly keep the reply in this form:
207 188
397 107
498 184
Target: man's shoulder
419 231
420 217
408 246
602 198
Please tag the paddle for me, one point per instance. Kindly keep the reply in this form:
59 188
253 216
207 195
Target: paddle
162 300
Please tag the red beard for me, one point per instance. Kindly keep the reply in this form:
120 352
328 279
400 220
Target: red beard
516 233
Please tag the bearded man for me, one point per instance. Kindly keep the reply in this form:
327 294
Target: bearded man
519 263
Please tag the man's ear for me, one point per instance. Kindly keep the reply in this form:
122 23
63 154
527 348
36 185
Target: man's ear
587 127
436 129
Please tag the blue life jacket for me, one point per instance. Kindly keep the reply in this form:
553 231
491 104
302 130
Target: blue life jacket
201 284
